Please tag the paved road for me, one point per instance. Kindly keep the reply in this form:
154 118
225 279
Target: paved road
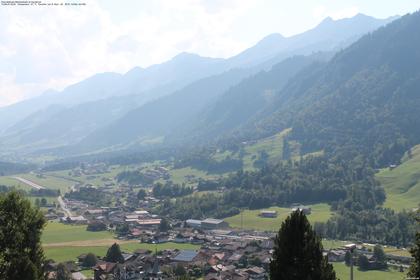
63 206
29 183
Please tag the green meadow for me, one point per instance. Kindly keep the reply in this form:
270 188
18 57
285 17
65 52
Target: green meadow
66 253
250 219
57 232
49 182
402 184
343 272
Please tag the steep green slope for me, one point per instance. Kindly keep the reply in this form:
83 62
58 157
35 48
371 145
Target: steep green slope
243 101
402 184
164 115
363 102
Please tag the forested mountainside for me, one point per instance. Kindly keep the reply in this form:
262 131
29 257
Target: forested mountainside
241 102
363 101
156 119
273 49
7 168
360 110
119 94
181 111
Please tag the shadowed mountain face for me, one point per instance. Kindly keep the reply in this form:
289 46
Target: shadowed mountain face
364 101
178 90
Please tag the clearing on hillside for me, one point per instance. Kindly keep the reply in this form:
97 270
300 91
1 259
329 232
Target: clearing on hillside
402 183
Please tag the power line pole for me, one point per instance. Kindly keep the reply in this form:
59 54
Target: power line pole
242 220
351 248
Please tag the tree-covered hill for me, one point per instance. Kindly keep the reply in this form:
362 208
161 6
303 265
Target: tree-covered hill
364 101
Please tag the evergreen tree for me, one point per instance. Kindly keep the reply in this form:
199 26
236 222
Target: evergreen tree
379 254
298 252
90 260
43 201
363 262
21 224
62 272
179 270
164 225
141 194
114 254
347 258
414 271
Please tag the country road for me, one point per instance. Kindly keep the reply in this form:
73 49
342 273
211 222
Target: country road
29 183
38 187
63 206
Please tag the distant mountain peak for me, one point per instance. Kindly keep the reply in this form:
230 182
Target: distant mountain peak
272 38
185 55
327 20
358 17
134 71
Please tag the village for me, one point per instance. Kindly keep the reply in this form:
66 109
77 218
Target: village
224 252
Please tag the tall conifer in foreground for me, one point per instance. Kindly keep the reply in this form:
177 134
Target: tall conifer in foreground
298 252
21 224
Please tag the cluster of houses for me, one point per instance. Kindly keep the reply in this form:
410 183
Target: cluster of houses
339 255
222 256
89 169
156 173
223 253
208 224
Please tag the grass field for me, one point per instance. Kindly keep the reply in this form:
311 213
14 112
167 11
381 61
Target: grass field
50 200
273 146
332 244
402 184
251 220
56 232
65 253
343 273
45 181
179 175
95 179
10 182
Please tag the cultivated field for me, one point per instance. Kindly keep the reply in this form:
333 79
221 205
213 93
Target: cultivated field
250 219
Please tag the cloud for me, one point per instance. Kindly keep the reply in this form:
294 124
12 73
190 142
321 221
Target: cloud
42 47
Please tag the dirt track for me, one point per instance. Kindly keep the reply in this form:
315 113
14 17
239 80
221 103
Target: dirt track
88 243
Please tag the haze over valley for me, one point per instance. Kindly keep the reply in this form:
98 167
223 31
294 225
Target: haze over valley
303 147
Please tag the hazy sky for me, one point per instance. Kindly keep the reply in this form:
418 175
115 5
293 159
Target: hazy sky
51 47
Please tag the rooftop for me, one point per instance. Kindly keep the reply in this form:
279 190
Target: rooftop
212 221
185 256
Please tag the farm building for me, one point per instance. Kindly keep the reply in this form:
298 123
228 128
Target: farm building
305 209
149 223
213 224
193 223
185 256
268 214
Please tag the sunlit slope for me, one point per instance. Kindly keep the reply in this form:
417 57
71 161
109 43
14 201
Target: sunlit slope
402 184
